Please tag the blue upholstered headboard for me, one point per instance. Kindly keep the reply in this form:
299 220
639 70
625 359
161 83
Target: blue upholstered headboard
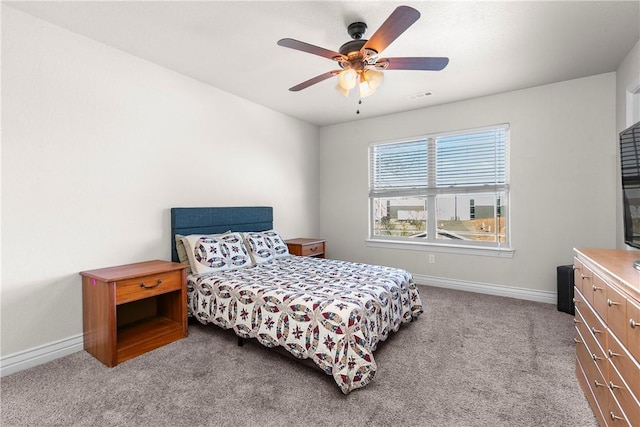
187 221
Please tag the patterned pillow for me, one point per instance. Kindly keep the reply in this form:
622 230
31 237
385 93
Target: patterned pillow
265 246
183 257
216 252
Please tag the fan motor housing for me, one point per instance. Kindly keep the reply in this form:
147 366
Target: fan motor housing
356 30
351 46
351 49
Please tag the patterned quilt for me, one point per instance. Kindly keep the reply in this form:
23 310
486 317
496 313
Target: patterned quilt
332 312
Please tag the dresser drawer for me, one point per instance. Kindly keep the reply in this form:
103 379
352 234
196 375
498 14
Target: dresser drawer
582 279
599 298
588 393
624 363
595 380
592 322
578 299
633 328
595 352
624 398
147 286
614 416
617 313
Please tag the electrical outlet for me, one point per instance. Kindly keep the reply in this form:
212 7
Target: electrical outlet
432 259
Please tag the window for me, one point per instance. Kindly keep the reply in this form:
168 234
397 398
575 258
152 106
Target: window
444 189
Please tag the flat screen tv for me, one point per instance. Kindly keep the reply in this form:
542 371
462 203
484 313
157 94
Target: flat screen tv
630 171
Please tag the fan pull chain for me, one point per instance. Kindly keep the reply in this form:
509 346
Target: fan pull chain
359 103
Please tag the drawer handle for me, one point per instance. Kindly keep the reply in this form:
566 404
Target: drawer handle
612 354
633 323
313 249
596 288
595 358
582 276
610 303
577 341
612 385
144 285
597 384
595 331
614 416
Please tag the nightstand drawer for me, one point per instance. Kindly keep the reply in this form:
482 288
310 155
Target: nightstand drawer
147 286
312 250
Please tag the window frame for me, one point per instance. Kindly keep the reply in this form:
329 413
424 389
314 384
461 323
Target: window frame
431 243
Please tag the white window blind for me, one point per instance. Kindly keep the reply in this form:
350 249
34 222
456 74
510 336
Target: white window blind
440 163
400 166
472 159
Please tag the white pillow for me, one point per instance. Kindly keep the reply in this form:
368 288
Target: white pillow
183 258
216 252
265 246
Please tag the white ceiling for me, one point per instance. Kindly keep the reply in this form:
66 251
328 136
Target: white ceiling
493 46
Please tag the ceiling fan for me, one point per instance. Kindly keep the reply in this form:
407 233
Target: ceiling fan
359 59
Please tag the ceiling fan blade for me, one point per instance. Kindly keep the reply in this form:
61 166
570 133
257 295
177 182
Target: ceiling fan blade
309 48
424 64
316 79
397 23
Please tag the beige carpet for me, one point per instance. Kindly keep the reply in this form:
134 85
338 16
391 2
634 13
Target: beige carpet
469 360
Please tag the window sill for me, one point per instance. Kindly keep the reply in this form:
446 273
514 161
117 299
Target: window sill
441 248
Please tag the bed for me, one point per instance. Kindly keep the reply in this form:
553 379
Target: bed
332 312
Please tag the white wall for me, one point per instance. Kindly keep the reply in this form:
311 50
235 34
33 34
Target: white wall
627 81
98 145
563 188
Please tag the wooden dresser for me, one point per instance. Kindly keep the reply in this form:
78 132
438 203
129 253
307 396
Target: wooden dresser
607 319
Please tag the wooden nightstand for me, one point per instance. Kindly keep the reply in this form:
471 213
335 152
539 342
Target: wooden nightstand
307 247
132 309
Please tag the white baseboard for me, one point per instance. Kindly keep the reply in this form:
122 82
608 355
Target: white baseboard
22 360
488 288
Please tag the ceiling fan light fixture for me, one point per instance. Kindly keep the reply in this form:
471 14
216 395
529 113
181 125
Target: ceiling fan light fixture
347 79
374 77
342 90
365 89
370 80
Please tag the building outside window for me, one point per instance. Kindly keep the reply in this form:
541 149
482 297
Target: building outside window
442 189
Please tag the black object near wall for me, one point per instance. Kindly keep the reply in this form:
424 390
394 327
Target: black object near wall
565 289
